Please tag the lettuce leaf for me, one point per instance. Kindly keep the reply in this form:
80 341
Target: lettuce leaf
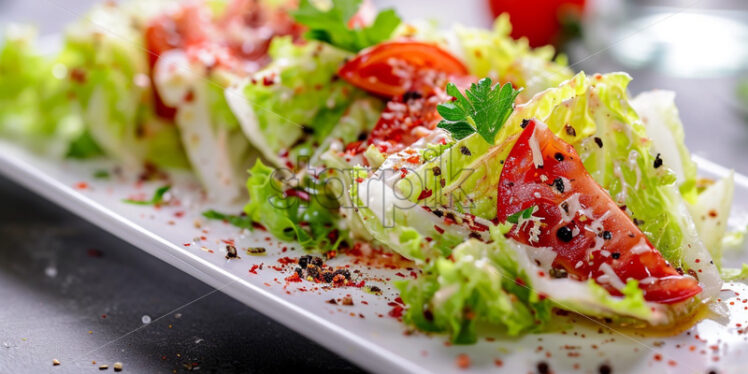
214 143
498 283
733 274
297 97
35 104
664 128
710 212
480 284
104 57
494 53
312 223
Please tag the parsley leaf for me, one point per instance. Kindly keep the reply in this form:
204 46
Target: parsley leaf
483 109
239 221
331 25
157 199
524 214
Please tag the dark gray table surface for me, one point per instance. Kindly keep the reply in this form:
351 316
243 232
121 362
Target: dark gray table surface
70 291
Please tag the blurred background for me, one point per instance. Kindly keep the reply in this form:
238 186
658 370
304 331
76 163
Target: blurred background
67 287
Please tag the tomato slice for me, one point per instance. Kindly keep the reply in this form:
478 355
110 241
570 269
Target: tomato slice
393 68
591 236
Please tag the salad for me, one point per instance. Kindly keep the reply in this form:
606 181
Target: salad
516 186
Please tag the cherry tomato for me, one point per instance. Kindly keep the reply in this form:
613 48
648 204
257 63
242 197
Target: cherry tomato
542 22
393 68
591 235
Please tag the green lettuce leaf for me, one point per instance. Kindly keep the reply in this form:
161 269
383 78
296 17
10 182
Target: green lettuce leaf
664 128
216 147
732 274
479 284
35 104
494 53
499 283
710 212
297 98
313 223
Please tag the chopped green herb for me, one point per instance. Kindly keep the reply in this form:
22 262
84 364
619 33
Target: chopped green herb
101 174
157 199
523 214
243 222
331 25
484 110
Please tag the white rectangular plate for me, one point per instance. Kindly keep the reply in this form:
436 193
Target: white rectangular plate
364 332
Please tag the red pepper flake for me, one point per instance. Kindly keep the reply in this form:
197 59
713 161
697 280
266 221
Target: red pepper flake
187 244
403 173
78 75
425 194
253 269
294 278
463 361
81 185
399 274
93 252
498 363
287 260
396 312
359 180
331 254
439 229
672 363
189 97
658 357
413 159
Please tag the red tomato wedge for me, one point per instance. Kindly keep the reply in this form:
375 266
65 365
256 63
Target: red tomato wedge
393 68
591 235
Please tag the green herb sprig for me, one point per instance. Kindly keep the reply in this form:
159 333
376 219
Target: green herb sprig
243 222
331 25
524 214
156 199
483 109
